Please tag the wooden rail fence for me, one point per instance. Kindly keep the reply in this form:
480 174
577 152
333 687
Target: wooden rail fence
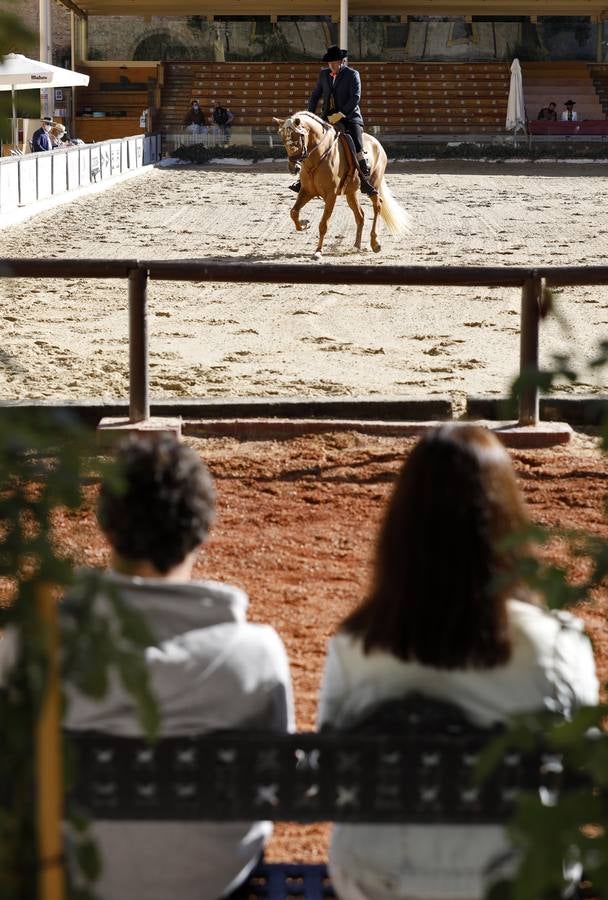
139 272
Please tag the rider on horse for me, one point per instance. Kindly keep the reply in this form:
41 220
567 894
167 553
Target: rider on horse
340 88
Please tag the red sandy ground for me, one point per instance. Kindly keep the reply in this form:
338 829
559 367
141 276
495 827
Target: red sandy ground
296 526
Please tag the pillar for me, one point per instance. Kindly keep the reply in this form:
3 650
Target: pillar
344 24
44 18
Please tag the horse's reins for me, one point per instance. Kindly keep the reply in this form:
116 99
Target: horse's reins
306 154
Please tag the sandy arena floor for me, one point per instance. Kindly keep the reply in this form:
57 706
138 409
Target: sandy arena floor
69 339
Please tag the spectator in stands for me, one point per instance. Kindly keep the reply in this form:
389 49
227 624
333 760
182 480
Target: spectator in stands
569 113
41 139
58 135
548 112
194 120
339 87
448 615
223 118
209 669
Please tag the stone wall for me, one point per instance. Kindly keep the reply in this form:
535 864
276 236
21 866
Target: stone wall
60 26
193 37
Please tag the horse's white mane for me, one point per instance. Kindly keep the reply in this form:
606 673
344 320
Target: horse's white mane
312 116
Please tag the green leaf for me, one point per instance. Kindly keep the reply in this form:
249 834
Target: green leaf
89 860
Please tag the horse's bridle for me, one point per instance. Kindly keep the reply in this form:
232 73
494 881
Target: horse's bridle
297 153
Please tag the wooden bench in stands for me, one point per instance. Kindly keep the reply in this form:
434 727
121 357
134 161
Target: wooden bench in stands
419 768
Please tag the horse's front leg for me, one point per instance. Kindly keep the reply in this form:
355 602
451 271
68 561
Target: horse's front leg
330 202
353 202
303 199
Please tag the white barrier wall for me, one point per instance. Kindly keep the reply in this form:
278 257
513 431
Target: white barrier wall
37 176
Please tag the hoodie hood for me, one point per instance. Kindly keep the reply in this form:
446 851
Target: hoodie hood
172 608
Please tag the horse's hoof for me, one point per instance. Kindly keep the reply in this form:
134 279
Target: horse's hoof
305 223
376 248
317 255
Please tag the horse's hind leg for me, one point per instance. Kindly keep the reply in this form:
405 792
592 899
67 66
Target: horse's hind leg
330 202
303 199
353 202
376 203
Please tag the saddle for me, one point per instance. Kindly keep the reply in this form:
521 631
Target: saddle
349 147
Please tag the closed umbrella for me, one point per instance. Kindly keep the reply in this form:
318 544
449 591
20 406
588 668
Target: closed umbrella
19 73
516 110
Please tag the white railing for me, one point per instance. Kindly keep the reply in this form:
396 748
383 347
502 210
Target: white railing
39 176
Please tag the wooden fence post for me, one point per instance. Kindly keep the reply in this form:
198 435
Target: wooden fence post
49 766
531 296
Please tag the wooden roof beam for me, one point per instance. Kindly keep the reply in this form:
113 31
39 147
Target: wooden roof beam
73 7
331 7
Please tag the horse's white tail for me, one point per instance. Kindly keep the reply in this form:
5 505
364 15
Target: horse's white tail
396 219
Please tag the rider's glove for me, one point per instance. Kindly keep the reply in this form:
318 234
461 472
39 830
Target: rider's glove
335 117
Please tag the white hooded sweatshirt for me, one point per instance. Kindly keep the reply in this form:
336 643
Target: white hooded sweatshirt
211 670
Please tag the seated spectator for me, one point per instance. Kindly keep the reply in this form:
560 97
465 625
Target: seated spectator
223 118
569 113
58 135
209 669
194 120
548 112
41 139
447 615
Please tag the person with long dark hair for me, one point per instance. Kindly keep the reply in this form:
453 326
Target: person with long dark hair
448 616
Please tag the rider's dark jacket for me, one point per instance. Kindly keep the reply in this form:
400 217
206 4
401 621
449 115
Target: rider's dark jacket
341 94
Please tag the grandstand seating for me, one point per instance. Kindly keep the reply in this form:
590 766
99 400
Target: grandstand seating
410 97
560 81
599 75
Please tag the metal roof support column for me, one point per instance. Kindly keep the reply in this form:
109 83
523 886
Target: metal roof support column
79 37
73 38
44 18
599 40
84 38
344 24
44 7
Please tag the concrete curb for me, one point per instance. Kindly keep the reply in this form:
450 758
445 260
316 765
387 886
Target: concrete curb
261 418
545 434
276 429
582 410
358 408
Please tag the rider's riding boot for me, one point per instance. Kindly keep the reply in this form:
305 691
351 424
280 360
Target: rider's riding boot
367 187
296 186
364 173
363 165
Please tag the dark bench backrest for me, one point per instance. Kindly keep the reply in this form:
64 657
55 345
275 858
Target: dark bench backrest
424 774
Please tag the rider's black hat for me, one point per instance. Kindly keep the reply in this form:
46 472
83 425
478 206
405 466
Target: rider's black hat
334 53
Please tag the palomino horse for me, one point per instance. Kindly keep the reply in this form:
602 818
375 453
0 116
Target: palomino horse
326 170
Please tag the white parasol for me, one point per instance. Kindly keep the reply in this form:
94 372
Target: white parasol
19 73
516 109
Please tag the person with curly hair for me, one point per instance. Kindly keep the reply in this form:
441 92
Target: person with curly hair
450 617
209 669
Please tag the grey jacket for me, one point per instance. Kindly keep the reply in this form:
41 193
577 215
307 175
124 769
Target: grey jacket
210 670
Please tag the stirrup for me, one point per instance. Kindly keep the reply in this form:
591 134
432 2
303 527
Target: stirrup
296 186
